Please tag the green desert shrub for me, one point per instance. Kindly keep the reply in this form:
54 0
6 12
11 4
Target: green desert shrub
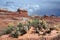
34 23
18 32
14 34
23 32
26 27
44 25
19 25
9 29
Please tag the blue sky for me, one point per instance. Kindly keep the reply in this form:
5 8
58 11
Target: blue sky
34 7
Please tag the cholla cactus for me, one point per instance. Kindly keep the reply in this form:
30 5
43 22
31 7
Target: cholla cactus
44 24
35 22
14 34
26 28
18 31
19 25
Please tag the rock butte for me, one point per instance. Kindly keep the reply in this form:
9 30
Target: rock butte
18 13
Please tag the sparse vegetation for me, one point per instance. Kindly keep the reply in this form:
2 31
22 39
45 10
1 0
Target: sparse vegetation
30 27
21 29
9 29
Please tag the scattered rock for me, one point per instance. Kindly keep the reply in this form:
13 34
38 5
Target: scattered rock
32 30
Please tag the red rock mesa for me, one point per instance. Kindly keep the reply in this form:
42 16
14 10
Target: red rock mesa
7 17
9 14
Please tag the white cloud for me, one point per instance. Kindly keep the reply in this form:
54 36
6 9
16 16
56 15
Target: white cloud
36 7
31 10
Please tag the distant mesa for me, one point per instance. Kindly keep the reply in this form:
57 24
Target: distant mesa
19 13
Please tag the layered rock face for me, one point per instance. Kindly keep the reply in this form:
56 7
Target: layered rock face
7 17
18 13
